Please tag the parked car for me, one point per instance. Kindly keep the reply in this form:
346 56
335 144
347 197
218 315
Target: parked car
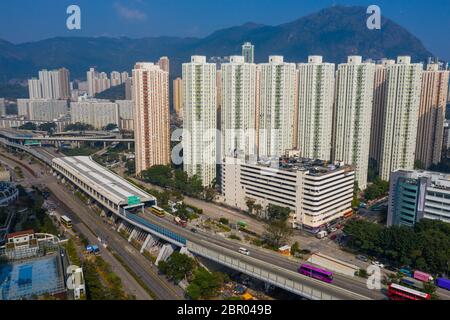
194 230
333 229
321 234
361 257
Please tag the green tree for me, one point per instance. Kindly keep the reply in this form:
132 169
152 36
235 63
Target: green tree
277 213
250 205
110 127
49 127
258 209
418 165
78 127
177 267
277 233
28 126
159 175
205 285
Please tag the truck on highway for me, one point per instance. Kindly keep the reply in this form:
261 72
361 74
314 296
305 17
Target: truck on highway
92 249
180 222
422 276
443 283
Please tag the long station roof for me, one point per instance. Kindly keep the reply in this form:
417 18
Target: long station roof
107 183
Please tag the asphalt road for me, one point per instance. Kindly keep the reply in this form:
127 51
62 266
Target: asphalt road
130 285
356 285
136 261
266 257
91 224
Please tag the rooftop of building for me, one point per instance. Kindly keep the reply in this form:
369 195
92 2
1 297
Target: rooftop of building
20 233
438 179
314 167
109 184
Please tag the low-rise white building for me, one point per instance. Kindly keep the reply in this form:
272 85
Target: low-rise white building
316 191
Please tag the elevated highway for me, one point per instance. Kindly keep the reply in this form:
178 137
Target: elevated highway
261 264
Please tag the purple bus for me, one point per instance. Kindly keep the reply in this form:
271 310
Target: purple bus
443 283
316 273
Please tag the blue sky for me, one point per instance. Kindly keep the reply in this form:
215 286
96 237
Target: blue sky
30 20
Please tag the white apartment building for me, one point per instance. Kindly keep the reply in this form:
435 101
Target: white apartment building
315 108
199 116
97 113
116 78
238 111
50 85
378 110
42 109
97 82
404 81
2 107
353 115
316 191
248 52
126 114
277 93
34 89
151 115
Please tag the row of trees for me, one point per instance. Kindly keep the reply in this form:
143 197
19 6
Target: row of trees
377 189
277 231
202 283
425 247
176 179
49 127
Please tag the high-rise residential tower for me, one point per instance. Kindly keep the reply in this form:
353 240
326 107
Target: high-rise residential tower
401 116
178 96
151 115
352 115
277 86
34 89
238 107
433 100
64 84
248 52
315 108
164 64
116 78
378 111
199 119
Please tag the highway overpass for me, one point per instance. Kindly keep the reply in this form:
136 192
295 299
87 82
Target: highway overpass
266 266
22 138
261 264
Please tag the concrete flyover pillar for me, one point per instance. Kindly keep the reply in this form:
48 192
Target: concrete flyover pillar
147 240
165 252
132 234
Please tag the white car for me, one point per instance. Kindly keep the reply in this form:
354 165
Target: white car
378 264
244 251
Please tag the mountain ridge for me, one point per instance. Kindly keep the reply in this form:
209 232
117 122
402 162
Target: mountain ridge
334 32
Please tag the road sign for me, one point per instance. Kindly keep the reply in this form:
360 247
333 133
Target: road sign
132 200
32 143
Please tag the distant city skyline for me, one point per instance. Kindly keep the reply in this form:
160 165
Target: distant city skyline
144 18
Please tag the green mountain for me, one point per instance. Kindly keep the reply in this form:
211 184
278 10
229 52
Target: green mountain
334 32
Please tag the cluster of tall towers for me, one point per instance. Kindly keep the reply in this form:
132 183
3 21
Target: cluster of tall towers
392 111
53 84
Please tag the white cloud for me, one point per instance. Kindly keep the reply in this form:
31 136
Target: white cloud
129 13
